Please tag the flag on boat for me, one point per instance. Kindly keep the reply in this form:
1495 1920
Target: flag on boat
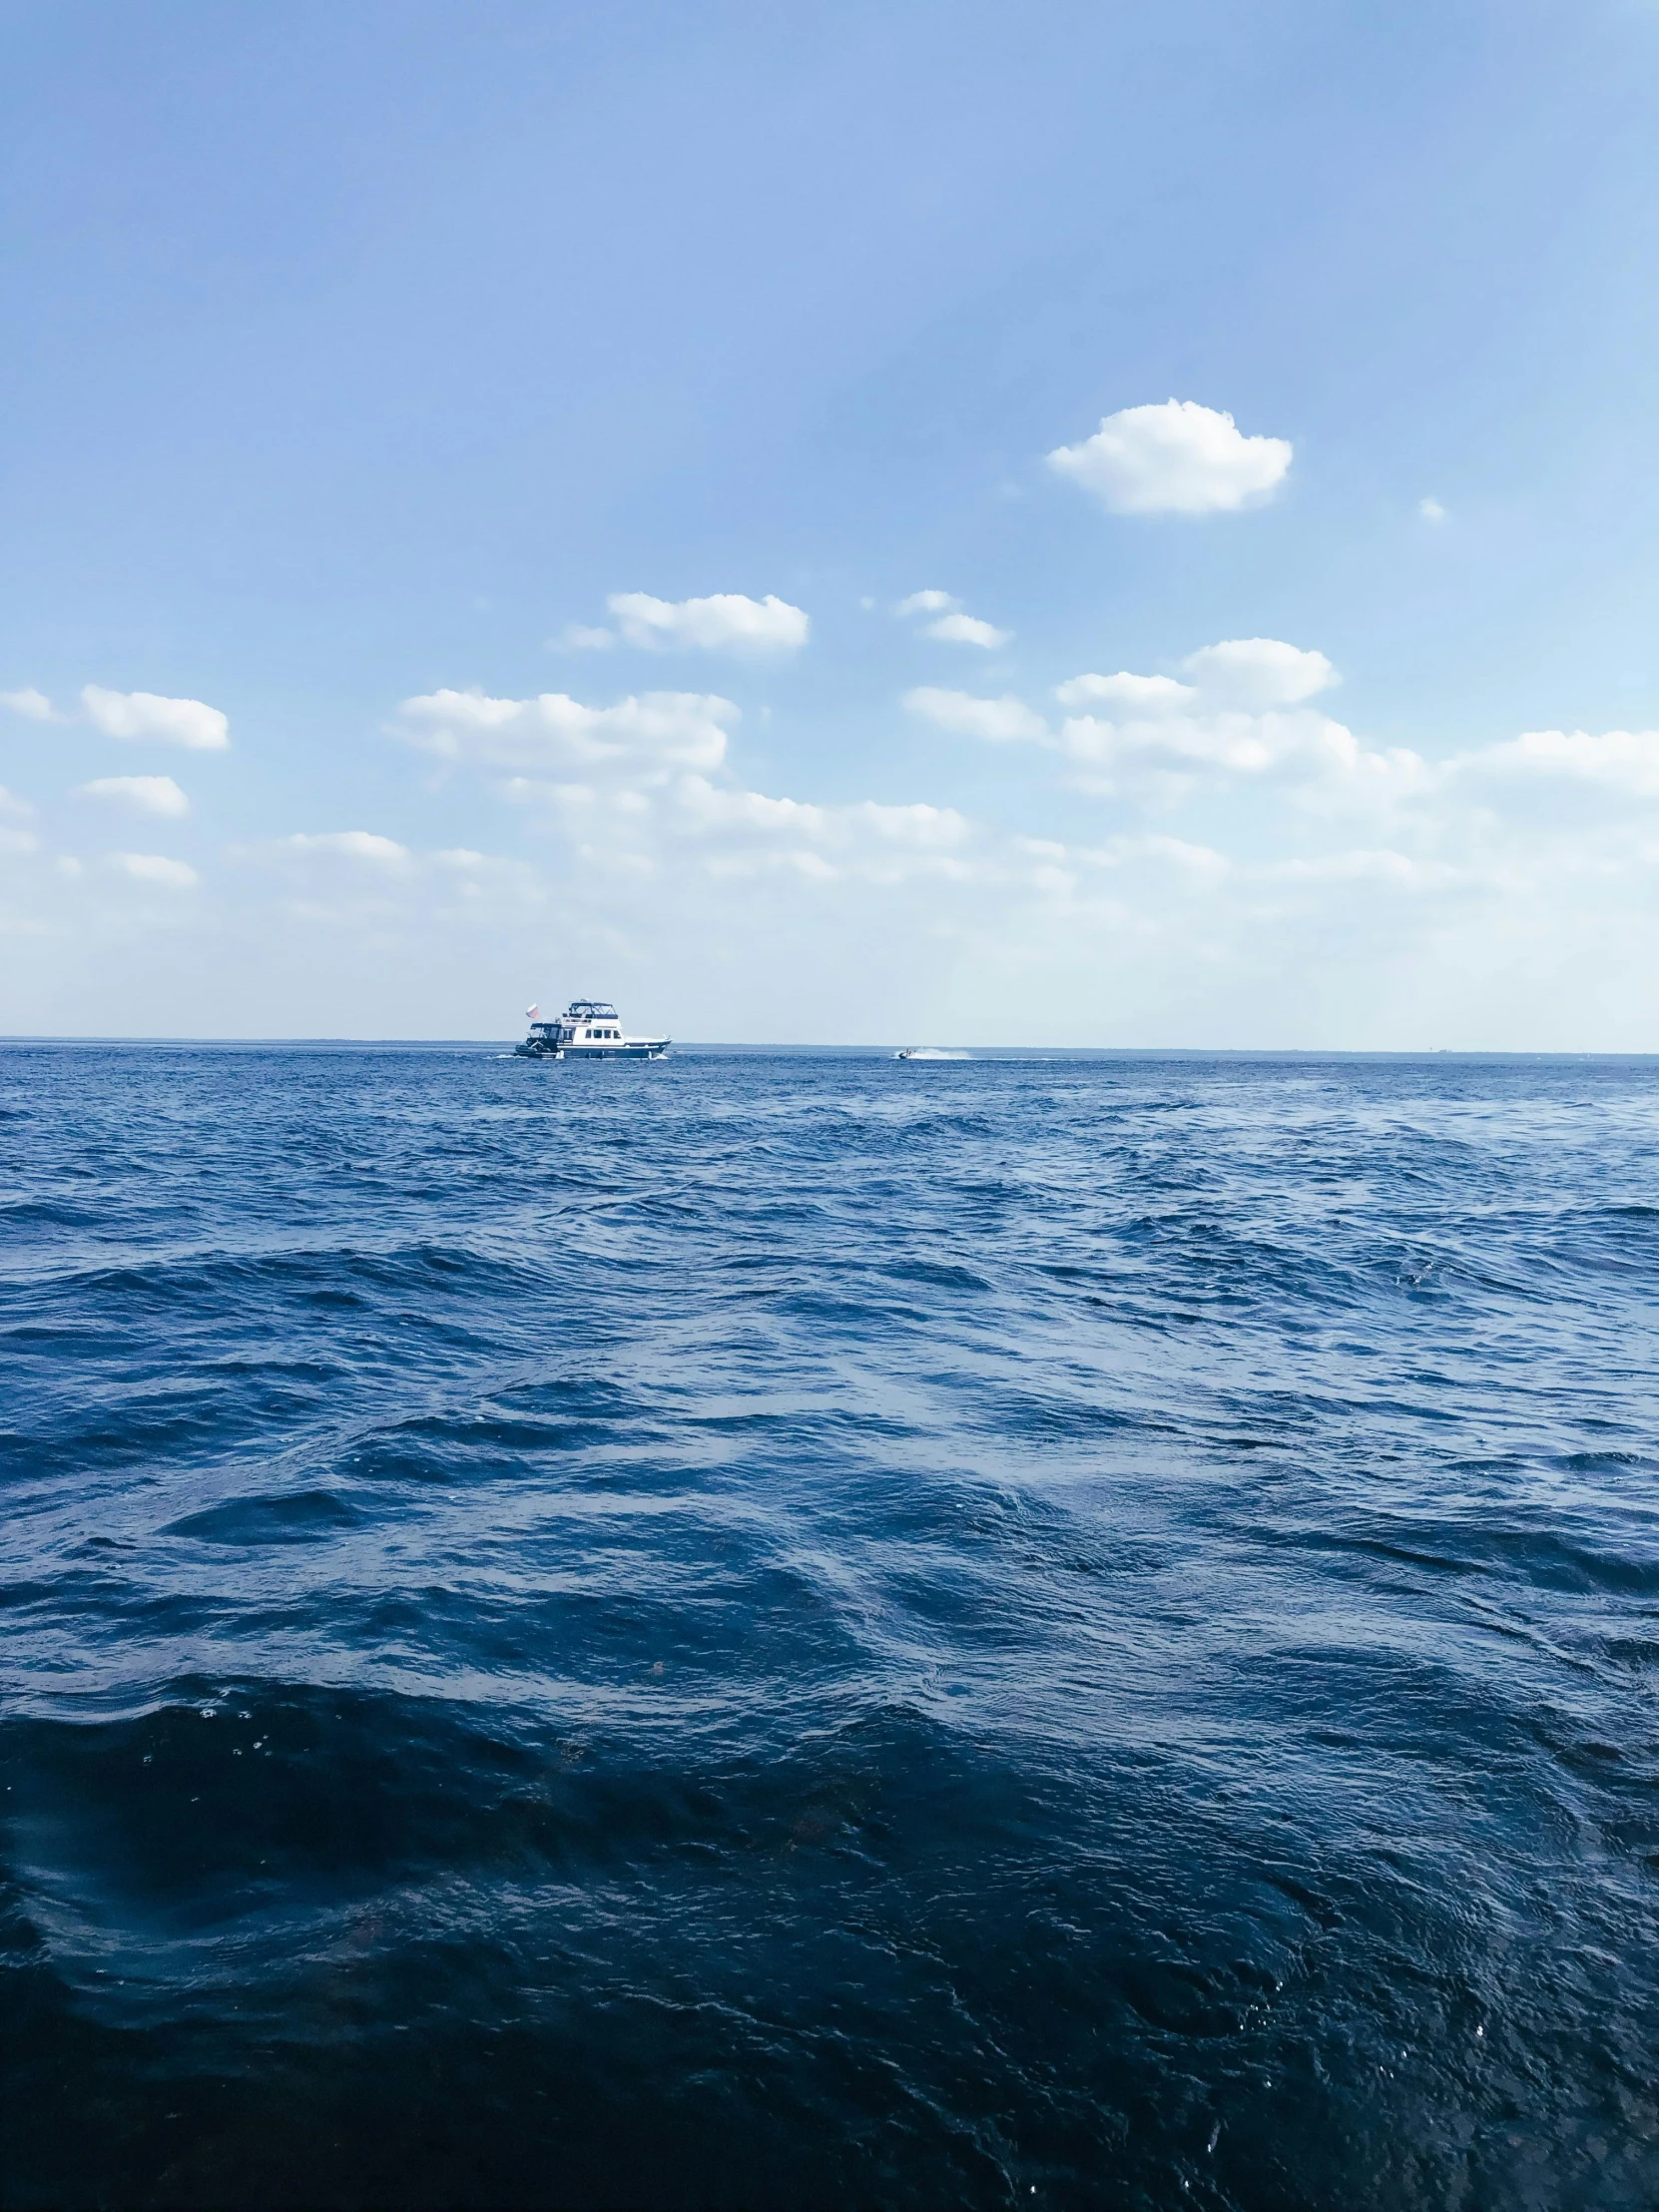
531 1013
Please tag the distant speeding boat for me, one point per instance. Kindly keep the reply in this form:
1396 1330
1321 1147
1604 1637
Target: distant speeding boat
588 1029
931 1052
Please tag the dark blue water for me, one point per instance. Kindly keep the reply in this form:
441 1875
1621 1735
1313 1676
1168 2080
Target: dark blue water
779 1630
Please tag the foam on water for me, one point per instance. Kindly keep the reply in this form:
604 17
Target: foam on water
784 1629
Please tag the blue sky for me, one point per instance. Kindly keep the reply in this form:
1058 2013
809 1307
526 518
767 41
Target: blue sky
359 357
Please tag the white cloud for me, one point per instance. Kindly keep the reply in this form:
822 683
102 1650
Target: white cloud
926 828
731 831
1198 862
1394 871
10 804
1238 672
583 637
33 705
1260 672
1178 458
968 630
372 890
707 807
1242 714
1621 762
952 626
750 831
1002 721
657 729
153 867
147 794
1300 748
1431 510
139 715
1143 694
365 847
725 621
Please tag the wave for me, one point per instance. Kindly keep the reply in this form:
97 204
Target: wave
779 1637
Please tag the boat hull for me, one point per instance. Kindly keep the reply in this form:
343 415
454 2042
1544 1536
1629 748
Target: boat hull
653 1051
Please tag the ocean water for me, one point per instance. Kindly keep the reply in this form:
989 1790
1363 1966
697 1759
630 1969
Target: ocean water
787 1630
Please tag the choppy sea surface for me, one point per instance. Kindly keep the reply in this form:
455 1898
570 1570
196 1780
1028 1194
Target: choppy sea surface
787 1630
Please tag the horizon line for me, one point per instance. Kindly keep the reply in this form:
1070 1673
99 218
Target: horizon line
74 1039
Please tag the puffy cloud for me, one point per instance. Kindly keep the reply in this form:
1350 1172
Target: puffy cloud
1431 510
928 829
133 714
658 728
727 622
138 715
1242 712
153 867
706 807
968 630
33 705
952 626
147 794
583 637
1620 762
1302 747
624 830
1241 715
709 808
1133 694
1260 672
1240 672
1180 458
1004 721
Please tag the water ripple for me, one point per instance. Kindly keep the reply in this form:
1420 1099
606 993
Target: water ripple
808 1630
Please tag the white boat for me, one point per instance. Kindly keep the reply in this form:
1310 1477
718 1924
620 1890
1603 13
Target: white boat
588 1029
